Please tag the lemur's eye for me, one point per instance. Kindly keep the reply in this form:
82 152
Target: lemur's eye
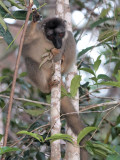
61 35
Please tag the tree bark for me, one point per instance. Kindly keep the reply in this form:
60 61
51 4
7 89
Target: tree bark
72 151
55 97
55 113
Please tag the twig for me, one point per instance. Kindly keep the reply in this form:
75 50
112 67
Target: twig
117 103
103 119
17 141
103 111
26 100
94 91
100 105
15 76
112 98
112 124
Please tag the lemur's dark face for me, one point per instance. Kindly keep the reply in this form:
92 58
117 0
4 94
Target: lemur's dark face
55 31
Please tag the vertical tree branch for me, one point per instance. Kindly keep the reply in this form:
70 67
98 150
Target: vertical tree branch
15 76
55 112
55 97
1 126
72 151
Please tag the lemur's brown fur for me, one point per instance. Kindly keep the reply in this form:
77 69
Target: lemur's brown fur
37 42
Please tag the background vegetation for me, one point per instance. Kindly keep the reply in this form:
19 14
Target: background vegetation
97 37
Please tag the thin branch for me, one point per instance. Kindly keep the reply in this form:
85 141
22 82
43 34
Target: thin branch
103 119
95 91
99 97
15 76
83 109
26 100
99 105
103 111
111 124
55 101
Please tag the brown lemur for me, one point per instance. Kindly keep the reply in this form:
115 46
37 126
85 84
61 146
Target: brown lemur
42 37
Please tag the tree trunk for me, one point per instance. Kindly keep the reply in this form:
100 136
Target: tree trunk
72 151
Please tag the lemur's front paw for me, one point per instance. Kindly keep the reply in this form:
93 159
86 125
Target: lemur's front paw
55 51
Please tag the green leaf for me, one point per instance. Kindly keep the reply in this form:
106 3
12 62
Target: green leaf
75 84
48 98
7 149
94 151
94 79
101 149
2 103
118 38
32 104
108 35
42 5
2 12
64 92
2 22
113 157
15 4
23 74
5 8
97 23
34 112
35 125
103 76
110 83
6 35
117 126
2 77
104 12
89 70
85 50
118 76
60 136
97 63
84 132
118 119
21 15
117 13
22 2
1 136
34 135
117 67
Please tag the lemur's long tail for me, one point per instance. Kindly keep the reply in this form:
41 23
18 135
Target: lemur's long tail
72 117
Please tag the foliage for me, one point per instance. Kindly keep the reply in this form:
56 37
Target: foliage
6 13
30 120
84 133
100 149
3 150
